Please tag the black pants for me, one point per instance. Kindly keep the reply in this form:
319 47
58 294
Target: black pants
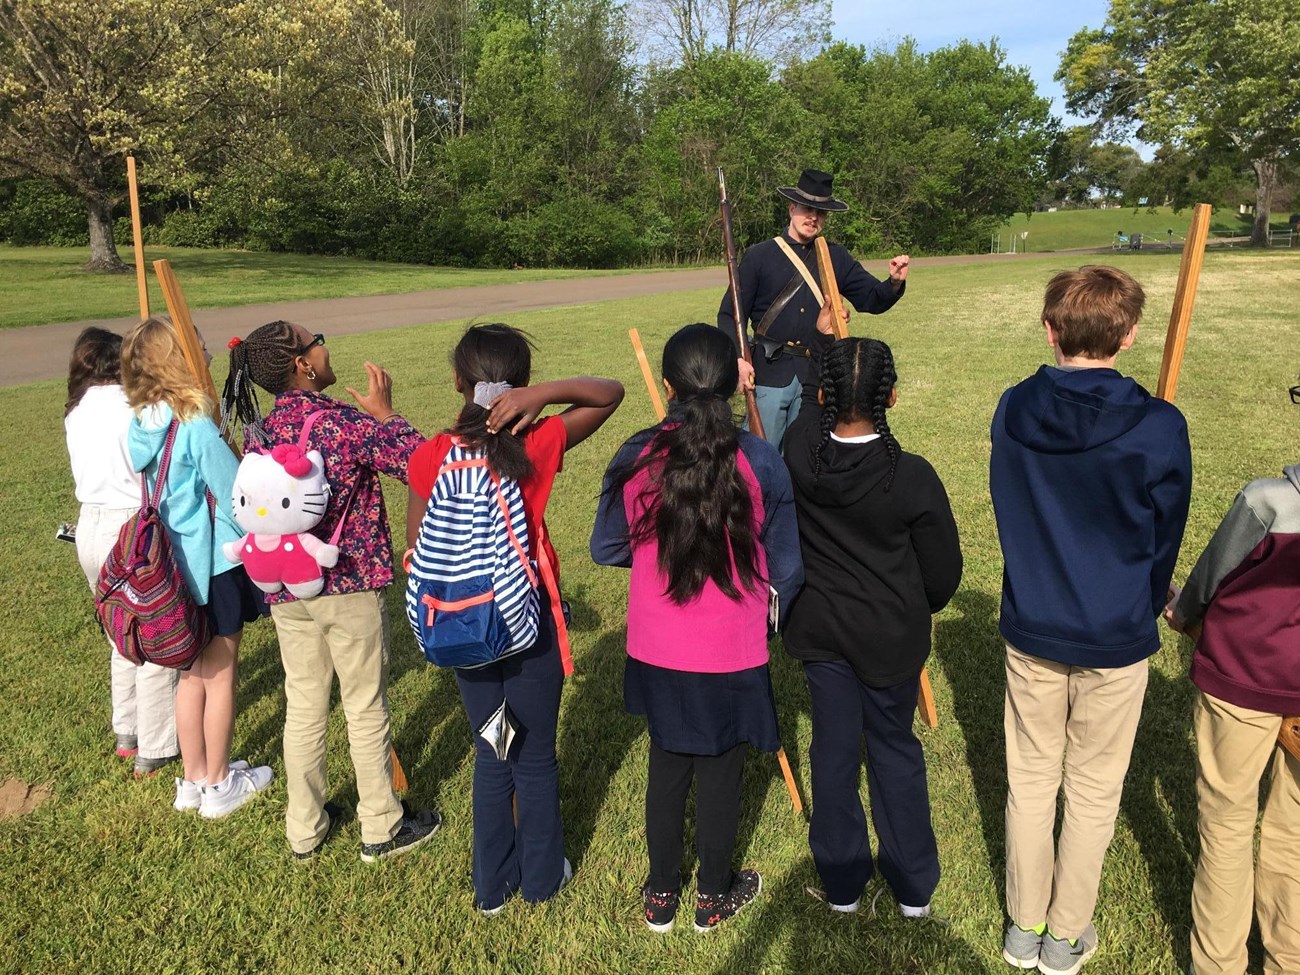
844 712
717 816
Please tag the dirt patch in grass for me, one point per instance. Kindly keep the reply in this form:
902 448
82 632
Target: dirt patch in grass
17 798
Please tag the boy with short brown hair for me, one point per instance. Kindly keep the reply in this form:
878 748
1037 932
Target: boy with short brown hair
1090 478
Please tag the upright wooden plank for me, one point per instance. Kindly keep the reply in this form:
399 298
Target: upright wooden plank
830 287
925 702
646 373
137 241
1180 318
191 344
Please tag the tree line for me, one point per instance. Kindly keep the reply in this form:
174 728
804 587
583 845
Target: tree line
510 132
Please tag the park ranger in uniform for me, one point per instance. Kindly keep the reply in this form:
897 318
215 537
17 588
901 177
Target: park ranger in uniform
780 297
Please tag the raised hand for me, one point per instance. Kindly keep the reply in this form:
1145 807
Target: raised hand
378 401
898 268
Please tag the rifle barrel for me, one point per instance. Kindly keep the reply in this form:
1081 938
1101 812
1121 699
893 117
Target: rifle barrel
733 280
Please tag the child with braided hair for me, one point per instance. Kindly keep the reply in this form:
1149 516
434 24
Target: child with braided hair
344 630
881 554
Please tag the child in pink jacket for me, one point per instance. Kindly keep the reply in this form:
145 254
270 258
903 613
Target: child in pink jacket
703 514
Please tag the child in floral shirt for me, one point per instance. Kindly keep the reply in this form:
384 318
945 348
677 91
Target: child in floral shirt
345 629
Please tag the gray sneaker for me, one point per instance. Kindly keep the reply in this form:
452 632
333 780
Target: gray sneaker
1060 957
1020 947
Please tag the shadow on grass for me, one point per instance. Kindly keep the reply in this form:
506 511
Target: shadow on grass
596 732
971 653
819 941
1159 801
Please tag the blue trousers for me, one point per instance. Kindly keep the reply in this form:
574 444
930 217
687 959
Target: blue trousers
528 857
777 408
844 711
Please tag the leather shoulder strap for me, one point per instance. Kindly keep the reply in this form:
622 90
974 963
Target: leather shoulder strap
802 268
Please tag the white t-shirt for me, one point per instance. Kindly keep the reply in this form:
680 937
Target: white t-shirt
101 467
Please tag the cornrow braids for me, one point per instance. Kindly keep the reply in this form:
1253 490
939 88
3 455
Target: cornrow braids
838 365
264 359
857 376
885 377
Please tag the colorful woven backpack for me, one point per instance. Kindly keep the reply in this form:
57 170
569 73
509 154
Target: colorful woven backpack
142 599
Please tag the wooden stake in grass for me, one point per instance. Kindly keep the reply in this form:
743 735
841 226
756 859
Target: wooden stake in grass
141 284
830 287
646 374
791 785
1180 318
191 344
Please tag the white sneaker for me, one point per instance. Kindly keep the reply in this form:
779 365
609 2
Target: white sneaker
241 785
189 795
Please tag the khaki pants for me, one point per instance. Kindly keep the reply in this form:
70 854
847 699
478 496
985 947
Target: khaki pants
347 635
1234 747
1085 719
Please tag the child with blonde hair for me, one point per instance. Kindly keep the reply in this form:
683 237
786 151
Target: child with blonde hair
171 408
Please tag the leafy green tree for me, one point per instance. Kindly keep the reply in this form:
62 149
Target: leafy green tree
934 149
1209 76
84 84
724 110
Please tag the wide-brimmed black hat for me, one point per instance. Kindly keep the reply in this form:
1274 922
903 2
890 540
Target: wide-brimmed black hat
814 190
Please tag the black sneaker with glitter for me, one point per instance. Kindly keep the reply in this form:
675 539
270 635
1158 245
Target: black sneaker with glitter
660 909
414 829
712 909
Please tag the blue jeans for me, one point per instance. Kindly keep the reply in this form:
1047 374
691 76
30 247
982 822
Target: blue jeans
777 408
844 710
528 857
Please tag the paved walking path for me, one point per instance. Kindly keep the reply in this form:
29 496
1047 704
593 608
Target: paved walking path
41 351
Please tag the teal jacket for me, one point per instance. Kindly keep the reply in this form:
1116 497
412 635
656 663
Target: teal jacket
200 459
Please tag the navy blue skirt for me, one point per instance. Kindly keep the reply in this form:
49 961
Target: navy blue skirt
703 714
233 600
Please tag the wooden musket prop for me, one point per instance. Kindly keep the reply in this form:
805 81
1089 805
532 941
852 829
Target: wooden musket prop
791 785
733 281
1189 274
137 241
830 287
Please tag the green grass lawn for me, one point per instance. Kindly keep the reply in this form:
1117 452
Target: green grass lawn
1067 229
107 878
46 284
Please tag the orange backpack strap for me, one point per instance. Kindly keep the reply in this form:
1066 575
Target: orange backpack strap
557 609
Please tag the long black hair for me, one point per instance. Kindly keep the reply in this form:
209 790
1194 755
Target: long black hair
492 353
96 361
857 376
698 507
265 358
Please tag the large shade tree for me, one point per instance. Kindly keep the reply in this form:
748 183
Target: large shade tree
1215 77
84 84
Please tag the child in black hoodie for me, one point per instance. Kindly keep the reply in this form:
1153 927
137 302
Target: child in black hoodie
881 555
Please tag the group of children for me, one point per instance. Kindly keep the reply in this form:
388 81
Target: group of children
847 545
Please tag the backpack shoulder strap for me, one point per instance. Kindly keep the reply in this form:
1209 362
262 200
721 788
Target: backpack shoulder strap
164 465
307 424
802 268
557 606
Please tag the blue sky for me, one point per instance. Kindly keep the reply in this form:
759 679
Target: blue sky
1032 32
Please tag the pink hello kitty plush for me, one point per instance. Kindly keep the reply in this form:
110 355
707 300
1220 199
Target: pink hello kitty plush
278 498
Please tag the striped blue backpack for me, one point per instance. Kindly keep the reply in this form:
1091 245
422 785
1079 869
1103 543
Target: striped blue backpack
471 590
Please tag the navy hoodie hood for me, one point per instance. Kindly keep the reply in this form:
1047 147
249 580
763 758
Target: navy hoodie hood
1057 411
1090 477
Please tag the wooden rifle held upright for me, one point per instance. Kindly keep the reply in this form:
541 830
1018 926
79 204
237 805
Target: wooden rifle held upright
733 280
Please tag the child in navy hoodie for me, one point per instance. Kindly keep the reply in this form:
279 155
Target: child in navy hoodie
1090 477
